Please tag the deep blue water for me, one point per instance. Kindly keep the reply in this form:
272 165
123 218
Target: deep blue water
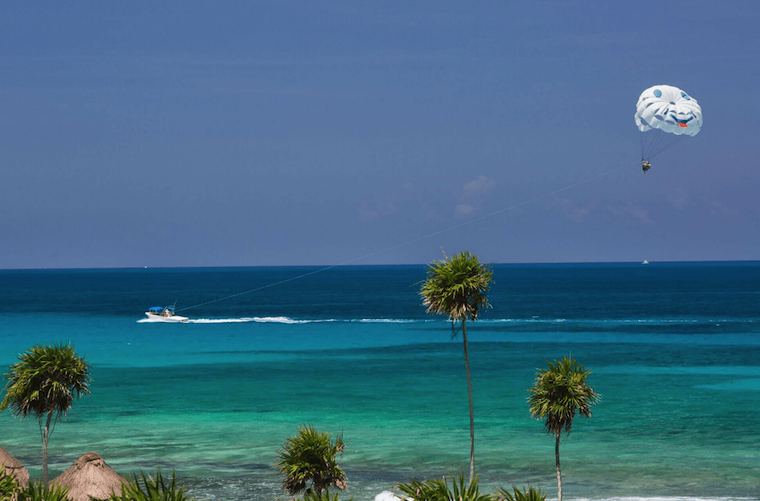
674 349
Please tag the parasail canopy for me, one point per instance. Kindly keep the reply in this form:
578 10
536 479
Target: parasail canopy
669 109
664 114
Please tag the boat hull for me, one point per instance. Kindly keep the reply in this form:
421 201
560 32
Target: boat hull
152 317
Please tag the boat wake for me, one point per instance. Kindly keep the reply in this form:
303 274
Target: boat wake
288 320
514 321
260 320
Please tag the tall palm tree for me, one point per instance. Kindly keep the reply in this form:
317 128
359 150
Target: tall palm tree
556 395
457 287
44 383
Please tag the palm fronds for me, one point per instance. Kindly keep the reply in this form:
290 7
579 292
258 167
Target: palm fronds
8 485
439 490
324 496
46 379
311 456
40 491
457 287
531 494
147 488
558 392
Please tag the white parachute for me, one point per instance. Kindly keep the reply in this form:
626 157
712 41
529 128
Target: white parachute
665 115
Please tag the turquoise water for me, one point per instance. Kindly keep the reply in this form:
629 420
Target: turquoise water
674 349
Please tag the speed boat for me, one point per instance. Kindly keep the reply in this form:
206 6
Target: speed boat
164 314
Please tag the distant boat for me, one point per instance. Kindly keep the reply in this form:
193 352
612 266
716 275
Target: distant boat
645 262
164 314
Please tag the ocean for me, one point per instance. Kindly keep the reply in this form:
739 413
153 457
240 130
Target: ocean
674 349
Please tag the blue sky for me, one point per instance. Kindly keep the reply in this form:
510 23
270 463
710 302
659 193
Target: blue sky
295 133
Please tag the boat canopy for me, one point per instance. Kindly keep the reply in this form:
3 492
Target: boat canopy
162 310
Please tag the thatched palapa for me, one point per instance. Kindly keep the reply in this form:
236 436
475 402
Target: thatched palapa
90 476
14 467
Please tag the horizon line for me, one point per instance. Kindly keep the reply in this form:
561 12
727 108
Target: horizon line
516 263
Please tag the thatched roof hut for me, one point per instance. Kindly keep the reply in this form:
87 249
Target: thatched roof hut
90 476
14 467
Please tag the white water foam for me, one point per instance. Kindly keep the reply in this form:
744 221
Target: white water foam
622 321
262 320
674 498
385 321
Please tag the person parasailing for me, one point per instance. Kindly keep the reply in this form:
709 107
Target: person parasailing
665 115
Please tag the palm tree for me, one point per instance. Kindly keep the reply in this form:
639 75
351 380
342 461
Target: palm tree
311 456
457 287
439 490
44 383
556 395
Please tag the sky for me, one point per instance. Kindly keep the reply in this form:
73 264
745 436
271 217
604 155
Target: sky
257 133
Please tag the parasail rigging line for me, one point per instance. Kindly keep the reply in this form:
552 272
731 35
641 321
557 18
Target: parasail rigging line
654 142
408 242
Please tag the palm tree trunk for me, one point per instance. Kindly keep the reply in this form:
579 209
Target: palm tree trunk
472 411
45 437
559 473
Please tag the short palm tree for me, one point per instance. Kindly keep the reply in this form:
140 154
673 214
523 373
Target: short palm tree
44 384
556 395
149 488
439 490
9 485
529 494
458 288
311 456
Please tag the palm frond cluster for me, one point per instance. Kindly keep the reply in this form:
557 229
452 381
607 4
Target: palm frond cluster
151 488
457 287
11 490
439 490
311 456
559 392
529 494
8 485
46 379
323 496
